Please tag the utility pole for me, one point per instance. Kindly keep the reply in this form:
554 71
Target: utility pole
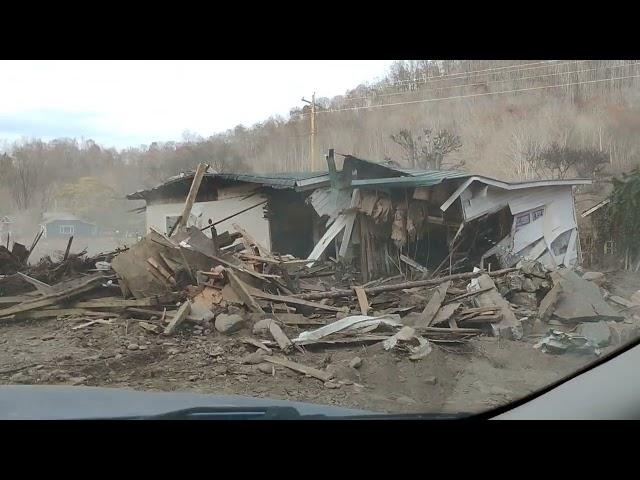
312 137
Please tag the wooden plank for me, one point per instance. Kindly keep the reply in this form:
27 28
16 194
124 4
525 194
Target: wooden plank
178 318
150 313
115 302
492 298
362 300
331 233
40 286
241 290
163 271
66 252
257 344
61 312
346 237
337 293
483 319
84 285
92 322
298 367
432 307
469 294
279 336
15 299
296 301
191 197
445 312
413 264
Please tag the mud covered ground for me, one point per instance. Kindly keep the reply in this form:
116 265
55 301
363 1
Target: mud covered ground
484 373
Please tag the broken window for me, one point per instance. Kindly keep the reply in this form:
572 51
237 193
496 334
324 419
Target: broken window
561 243
522 220
536 214
609 247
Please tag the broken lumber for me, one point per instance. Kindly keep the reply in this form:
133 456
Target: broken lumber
162 270
92 322
362 300
40 286
279 336
151 313
257 344
400 286
413 264
115 302
84 285
468 294
66 252
445 313
298 367
178 318
297 301
191 197
241 290
482 319
508 325
429 312
62 312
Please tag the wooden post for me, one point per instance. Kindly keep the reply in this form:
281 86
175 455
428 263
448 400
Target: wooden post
66 252
191 197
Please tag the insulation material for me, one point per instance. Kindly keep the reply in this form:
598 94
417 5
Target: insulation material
399 227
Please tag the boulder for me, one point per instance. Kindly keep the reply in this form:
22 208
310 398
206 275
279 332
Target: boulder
596 277
261 327
226 323
597 333
526 299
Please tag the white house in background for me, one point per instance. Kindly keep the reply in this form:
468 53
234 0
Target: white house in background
544 217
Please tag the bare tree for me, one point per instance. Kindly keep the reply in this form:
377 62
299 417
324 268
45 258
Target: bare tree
428 150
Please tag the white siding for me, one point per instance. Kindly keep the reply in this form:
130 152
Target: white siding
559 215
229 201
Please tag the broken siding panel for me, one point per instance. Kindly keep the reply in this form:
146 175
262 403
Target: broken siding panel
330 202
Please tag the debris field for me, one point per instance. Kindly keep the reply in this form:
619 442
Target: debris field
223 314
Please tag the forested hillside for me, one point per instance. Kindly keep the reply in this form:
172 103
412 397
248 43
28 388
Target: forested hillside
508 119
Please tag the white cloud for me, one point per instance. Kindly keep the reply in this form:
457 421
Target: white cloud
126 103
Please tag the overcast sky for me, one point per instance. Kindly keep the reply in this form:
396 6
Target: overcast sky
129 103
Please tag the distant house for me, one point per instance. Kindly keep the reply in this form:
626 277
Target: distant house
59 224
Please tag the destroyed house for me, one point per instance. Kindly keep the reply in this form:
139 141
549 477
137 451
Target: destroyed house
381 219
271 208
389 219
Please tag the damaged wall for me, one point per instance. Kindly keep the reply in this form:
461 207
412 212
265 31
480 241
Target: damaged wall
230 200
543 217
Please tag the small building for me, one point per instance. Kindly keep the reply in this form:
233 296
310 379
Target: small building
274 208
62 224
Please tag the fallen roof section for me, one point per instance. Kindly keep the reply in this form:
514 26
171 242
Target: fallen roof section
298 181
511 186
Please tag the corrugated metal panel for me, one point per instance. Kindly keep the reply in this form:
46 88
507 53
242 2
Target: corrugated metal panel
425 179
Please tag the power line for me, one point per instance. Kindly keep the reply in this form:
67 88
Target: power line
444 75
375 96
516 68
475 95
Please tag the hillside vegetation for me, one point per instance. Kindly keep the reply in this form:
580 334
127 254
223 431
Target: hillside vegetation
508 119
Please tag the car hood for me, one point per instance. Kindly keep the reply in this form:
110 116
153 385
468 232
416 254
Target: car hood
51 402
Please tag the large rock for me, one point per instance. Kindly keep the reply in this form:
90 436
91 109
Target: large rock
597 333
229 323
253 358
596 277
623 332
261 327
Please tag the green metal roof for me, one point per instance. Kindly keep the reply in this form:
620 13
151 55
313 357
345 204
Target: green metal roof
279 179
415 178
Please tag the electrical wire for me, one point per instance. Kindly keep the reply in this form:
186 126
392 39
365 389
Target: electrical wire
473 95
